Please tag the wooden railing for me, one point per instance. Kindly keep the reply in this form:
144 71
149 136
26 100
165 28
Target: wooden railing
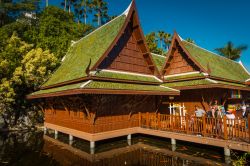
221 128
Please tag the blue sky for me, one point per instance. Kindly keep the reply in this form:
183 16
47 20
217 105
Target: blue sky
210 23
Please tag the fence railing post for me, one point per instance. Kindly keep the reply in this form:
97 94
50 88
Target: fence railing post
172 122
139 118
204 125
225 127
159 120
187 123
147 119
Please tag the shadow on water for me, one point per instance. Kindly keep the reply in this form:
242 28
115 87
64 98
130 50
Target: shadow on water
35 148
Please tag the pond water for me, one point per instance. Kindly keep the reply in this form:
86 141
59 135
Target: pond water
35 148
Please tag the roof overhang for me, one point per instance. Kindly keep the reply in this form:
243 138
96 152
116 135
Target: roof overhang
207 83
99 87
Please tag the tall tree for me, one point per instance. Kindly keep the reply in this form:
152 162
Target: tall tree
167 40
87 8
152 43
161 36
230 51
10 10
101 9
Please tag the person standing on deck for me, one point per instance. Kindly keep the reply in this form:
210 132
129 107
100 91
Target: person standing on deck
245 111
218 117
199 113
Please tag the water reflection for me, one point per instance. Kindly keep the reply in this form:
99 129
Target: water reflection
35 148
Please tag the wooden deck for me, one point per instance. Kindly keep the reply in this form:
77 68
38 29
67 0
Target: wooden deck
227 133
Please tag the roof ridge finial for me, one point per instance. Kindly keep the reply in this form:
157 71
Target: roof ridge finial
128 9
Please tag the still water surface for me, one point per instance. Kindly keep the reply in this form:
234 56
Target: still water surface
37 149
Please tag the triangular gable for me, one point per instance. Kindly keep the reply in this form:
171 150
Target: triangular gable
179 60
129 51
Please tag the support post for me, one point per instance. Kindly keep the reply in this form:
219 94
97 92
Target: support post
56 134
225 127
45 130
173 141
71 137
226 151
129 137
92 145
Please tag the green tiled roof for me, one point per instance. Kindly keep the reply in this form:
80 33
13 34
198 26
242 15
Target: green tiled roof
187 76
58 89
126 86
204 82
159 60
219 66
91 47
188 83
105 85
124 76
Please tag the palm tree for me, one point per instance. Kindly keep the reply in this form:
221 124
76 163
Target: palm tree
231 52
167 40
87 8
101 9
47 3
161 36
190 40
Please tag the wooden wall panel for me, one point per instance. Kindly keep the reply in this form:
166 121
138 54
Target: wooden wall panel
109 112
180 63
126 55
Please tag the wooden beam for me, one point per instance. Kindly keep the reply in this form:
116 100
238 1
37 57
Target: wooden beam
140 41
136 26
146 54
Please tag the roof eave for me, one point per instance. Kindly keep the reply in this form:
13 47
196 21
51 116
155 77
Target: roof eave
103 91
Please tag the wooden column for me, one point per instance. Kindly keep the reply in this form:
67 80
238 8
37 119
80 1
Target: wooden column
225 127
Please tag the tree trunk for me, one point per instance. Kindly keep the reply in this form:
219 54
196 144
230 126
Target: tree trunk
99 18
65 5
69 6
161 47
85 18
47 3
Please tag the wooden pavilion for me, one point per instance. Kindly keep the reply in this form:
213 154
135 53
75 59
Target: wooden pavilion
109 77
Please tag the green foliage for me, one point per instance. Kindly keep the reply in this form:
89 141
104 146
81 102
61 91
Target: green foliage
11 55
151 40
159 42
231 52
36 65
101 11
56 31
242 160
22 70
10 10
